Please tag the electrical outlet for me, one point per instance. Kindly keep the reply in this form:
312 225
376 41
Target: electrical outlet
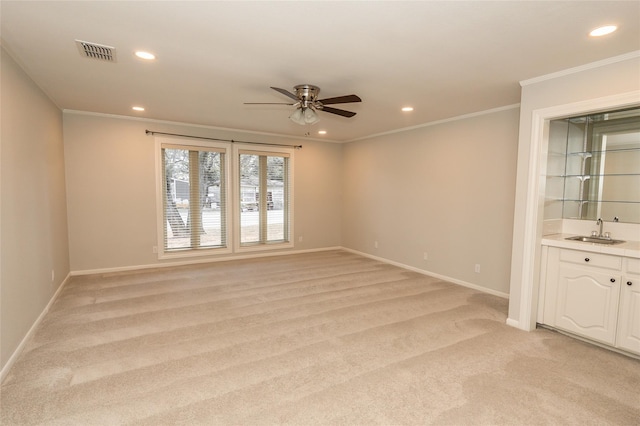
53 275
425 256
375 244
300 239
154 249
477 269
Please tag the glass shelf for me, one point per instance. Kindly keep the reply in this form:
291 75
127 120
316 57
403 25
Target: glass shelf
597 201
580 154
587 154
596 176
585 177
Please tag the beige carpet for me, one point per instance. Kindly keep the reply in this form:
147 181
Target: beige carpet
323 338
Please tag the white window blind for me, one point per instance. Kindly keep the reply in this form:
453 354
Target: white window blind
264 197
194 197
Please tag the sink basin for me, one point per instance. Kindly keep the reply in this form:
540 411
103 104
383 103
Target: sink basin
597 240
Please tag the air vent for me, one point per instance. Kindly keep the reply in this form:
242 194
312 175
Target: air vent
96 51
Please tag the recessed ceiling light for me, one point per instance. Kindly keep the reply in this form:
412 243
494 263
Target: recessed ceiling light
145 55
407 109
322 132
608 29
137 108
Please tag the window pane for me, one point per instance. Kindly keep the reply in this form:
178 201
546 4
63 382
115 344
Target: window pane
276 199
176 198
249 198
211 202
264 198
194 215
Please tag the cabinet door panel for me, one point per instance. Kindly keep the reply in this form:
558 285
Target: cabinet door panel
629 318
588 302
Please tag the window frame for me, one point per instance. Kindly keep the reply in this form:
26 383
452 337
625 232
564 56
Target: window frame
179 143
236 202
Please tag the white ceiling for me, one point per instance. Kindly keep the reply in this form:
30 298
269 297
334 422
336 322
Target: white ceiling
444 58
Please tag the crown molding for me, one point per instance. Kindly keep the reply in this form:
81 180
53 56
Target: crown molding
627 56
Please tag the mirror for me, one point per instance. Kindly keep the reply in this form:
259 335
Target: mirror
601 172
616 183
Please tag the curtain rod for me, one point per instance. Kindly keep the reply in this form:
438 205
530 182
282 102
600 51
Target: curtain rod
151 132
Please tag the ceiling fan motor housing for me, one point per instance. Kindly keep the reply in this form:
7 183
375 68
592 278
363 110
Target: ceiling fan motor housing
307 93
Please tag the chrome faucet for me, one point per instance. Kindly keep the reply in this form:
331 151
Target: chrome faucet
600 222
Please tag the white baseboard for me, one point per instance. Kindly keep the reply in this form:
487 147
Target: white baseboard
20 348
513 323
431 274
197 261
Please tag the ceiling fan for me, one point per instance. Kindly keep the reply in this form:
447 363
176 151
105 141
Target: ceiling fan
307 103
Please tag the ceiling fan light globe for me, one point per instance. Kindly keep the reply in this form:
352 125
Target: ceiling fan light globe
297 117
310 116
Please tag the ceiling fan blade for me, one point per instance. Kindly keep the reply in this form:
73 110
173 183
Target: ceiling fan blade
337 111
267 103
286 93
340 100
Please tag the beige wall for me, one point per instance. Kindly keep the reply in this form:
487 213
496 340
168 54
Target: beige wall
445 189
33 218
582 86
111 187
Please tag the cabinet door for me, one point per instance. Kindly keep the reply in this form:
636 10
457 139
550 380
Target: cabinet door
629 316
588 302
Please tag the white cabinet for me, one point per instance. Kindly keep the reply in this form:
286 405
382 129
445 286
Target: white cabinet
628 336
588 302
593 295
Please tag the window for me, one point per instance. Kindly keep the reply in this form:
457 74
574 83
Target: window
194 197
197 211
264 188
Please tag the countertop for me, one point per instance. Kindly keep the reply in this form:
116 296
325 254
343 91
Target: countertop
626 249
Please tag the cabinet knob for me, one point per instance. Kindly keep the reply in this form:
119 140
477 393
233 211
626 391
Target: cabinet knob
586 259
629 283
613 280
